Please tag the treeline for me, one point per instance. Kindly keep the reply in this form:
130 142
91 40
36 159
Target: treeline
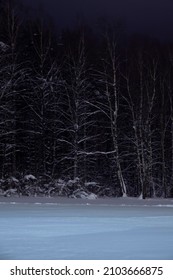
93 106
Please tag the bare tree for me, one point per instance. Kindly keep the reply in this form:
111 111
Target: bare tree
11 73
78 117
41 102
141 97
109 89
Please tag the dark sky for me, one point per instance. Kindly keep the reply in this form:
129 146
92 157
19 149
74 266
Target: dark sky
152 16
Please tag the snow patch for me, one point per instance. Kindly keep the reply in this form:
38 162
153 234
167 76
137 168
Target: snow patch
70 183
88 184
13 179
29 177
92 196
3 47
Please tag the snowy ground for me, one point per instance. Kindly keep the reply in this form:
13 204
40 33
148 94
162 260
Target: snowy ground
51 228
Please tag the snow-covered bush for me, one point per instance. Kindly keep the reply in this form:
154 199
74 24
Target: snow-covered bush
83 194
29 185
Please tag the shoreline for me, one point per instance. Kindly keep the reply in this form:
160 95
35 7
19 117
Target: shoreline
114 201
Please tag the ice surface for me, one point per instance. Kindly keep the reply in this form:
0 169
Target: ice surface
71 229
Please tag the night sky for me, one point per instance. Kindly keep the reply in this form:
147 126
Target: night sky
154 17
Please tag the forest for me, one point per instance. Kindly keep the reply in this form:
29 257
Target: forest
89 107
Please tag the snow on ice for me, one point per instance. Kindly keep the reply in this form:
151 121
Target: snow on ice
62 228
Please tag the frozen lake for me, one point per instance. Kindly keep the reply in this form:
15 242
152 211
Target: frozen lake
86 230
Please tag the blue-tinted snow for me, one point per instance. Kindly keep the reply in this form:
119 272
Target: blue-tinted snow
86 230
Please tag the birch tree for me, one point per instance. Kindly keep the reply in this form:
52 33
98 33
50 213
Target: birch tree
109 88
77 114
142 85
41 101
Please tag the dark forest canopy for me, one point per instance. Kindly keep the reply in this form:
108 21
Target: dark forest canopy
86 104
150 17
